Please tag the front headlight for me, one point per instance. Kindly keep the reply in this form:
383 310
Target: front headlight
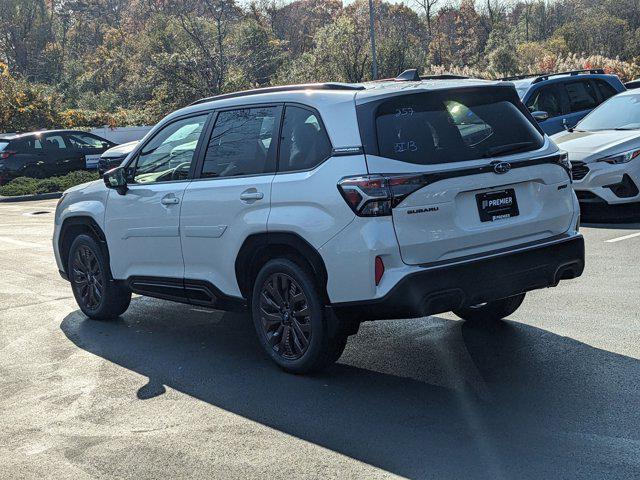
621 157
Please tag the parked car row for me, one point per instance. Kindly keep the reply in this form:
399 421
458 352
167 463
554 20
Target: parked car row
48 153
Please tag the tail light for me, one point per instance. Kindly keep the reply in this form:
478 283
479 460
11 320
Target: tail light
563 161
6 154
376 195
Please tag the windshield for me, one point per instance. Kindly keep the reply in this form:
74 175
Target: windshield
453 126
3 145
617 113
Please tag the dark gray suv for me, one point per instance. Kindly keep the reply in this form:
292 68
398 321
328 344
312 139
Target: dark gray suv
48 153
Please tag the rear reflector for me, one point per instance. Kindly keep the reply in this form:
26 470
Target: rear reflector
379 270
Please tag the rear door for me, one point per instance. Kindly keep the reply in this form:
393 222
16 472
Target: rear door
61 156
230 197
471 172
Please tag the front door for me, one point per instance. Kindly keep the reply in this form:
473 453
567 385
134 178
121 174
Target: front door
230 197
143 225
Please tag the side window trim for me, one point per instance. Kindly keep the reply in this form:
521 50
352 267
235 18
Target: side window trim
208 131
197 153
324 129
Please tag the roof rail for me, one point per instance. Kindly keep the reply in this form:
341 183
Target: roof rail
412 75
539 77
282 88
444 76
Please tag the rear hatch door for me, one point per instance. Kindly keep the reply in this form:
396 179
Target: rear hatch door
470 171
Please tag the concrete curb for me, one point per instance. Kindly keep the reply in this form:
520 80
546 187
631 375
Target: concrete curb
30 198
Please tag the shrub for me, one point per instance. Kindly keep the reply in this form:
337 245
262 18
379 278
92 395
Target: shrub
33 186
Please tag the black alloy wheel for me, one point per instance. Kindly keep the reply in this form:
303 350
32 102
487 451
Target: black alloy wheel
88 277
98 295
294 326
285 316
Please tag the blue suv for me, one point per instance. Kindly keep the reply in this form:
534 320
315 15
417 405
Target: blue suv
560 100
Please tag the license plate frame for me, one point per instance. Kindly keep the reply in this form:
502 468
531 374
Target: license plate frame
497 205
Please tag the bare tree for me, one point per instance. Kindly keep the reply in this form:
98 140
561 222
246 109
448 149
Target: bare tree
428 7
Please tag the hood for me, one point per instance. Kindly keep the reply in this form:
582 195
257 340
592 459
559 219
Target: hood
590 146
76 188
120 150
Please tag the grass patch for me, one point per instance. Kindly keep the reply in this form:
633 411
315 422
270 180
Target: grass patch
35 186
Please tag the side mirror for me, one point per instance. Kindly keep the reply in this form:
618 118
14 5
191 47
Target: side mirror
540 116
116 179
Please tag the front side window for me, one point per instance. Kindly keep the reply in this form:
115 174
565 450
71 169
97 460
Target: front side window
582 95
305 143
451 126
606 90
546 99
168 156
81 141
242 143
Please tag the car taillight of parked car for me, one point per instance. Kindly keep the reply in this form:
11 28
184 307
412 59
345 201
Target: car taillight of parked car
6 154
376 195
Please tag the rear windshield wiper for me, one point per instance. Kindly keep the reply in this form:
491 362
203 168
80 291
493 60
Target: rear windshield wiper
506 149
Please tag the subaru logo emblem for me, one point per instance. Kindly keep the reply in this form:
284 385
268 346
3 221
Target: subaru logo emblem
501 167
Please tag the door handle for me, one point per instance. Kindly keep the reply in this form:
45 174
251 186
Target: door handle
170 200
246 196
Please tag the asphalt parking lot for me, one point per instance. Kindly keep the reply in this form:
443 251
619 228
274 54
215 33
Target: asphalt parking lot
172 391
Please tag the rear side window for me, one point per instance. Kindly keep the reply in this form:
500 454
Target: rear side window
546 99
305 143
582 95
3 145
242 143
453 126
606 90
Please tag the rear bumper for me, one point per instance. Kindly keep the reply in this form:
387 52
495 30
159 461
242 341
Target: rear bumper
449 287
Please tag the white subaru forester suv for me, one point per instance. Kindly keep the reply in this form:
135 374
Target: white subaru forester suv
321 206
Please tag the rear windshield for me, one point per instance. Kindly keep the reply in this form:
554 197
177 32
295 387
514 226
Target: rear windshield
3 145
453 126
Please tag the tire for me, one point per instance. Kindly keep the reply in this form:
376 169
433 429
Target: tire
491 311
97 295
293 325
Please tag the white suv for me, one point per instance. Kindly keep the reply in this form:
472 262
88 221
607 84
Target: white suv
320 206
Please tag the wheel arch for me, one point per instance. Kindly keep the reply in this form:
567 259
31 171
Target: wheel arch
78 225
258 249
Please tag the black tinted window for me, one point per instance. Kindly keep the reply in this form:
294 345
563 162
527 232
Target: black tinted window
53 142
242 143
432 128
606 90
305 143
582 95
546 99
82 141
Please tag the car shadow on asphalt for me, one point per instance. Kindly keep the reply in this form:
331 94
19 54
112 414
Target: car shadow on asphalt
433 398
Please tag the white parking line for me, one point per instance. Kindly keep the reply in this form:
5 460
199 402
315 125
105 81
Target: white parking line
631 235
19 243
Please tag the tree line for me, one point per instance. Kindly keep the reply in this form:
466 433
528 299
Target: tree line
93 62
